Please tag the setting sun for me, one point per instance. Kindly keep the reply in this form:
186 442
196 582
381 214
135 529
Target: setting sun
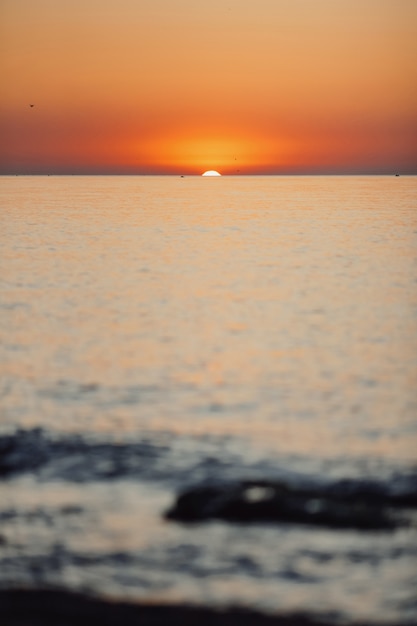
211 173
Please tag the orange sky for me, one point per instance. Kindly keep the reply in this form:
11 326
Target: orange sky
180 86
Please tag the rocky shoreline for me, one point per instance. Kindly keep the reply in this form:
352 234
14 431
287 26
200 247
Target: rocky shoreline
46 607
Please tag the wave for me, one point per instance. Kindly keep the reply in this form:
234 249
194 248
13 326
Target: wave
163 457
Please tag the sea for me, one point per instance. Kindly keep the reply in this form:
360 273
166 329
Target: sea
162 332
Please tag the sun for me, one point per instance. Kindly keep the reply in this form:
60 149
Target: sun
211 173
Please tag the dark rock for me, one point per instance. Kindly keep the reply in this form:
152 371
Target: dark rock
72 457
401 493
267 501
21 450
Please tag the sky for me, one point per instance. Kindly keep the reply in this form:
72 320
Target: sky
183 86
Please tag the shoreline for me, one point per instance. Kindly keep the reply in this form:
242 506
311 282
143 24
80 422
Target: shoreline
32 607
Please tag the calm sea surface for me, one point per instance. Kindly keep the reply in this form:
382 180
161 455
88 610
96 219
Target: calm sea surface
158 332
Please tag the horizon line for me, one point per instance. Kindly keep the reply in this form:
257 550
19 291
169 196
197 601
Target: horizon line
198 175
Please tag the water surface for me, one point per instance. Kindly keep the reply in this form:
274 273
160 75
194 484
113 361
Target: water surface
162 331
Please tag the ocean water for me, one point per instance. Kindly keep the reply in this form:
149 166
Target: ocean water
162 332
